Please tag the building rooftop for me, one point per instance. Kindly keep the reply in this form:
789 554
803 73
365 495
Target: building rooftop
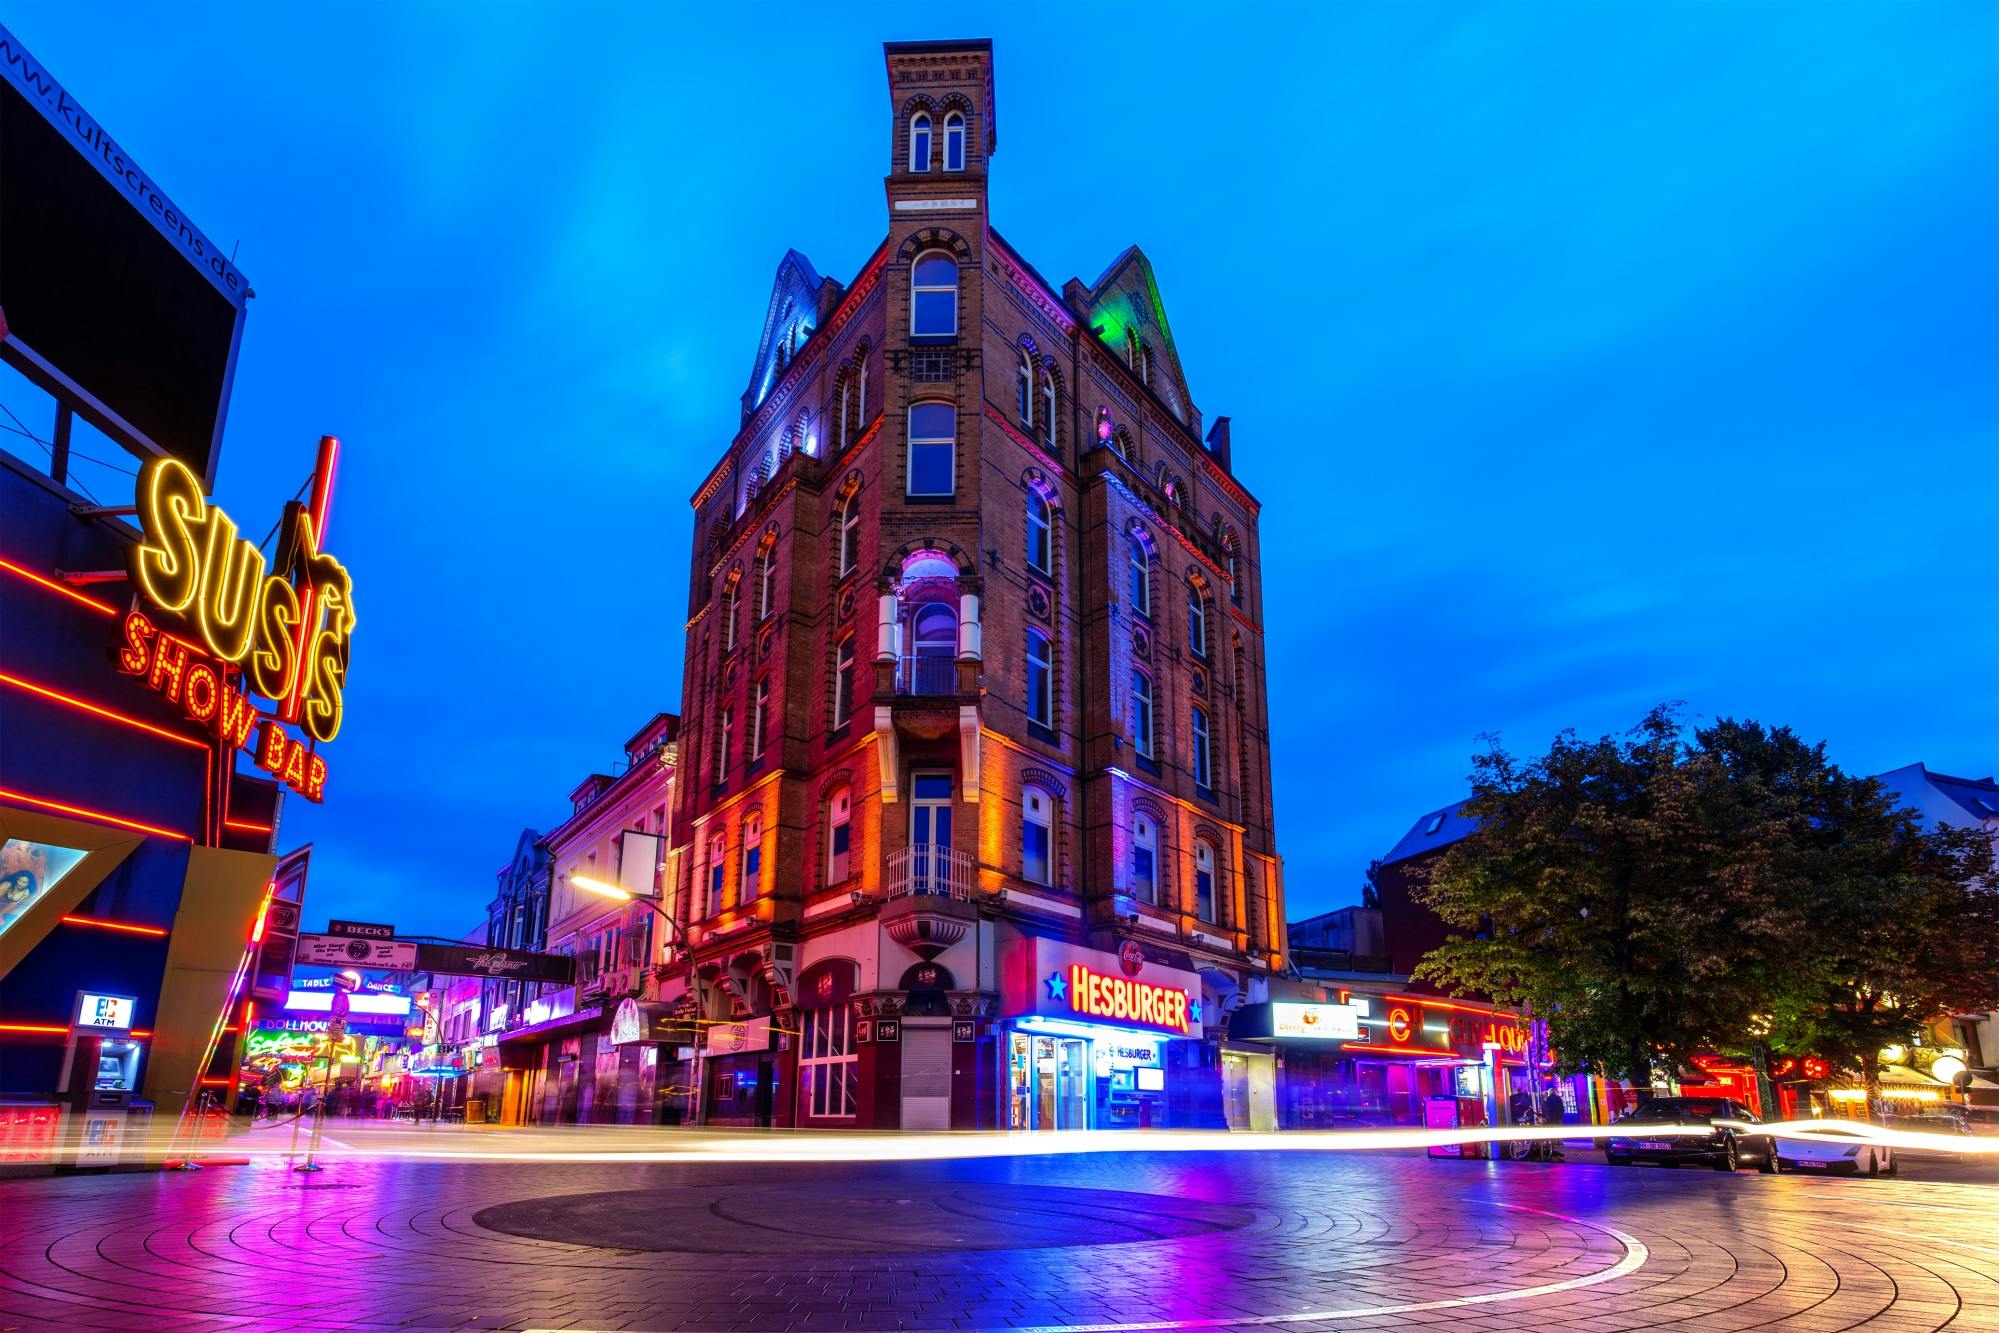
1434 831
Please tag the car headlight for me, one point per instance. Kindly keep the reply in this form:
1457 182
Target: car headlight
1854 1151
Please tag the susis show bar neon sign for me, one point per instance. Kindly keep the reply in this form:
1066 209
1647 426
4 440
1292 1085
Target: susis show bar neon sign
1125 1000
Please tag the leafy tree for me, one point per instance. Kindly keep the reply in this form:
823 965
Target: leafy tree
1737 893
1370 889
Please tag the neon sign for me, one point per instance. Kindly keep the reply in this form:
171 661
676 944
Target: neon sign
1125 999
287 630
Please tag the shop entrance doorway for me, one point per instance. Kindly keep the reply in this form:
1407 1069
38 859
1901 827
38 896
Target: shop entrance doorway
1050 1079
1249 1090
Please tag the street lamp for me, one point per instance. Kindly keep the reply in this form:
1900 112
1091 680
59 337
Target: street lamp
603 889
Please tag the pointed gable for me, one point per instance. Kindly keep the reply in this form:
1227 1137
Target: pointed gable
795 297
1124 306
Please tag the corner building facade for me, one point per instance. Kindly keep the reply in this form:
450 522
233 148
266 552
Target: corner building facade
975 823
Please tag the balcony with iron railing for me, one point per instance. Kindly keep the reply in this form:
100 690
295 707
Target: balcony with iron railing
929 869
926 676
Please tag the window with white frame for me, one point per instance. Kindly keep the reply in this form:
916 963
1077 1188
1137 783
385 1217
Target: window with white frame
1040 532
1144 859
717 867
1048 409
954 142
1138 563
933 295
753 858
766 582
933 446
843 681
850 534
1040 679
730 598
828 1063
1141 714
839 840
760 718
1023 390
1203 776
1204 880
1197 620
1037 836
724 723
919 141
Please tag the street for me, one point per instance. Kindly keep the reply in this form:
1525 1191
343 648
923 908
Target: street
1131 1239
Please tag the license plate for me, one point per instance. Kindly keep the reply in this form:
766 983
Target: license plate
1654 1146
1810 1165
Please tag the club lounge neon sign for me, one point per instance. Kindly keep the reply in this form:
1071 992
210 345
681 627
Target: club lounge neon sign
287 631
1126 1000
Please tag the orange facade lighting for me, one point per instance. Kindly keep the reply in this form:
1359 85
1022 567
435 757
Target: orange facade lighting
246 826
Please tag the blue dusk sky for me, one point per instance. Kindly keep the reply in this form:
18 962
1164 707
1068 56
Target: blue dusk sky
1583 356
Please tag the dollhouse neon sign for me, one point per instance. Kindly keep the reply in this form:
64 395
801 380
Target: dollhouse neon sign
1124 999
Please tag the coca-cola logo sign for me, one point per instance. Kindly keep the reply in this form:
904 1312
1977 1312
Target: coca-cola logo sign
1130 958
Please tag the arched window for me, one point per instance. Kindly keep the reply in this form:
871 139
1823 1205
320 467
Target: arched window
1131 348
839 838
718 858
1037 836
1040 679
1231 548
760 718
919 141
954 142
766 581
1141 714
1048 409
843 681
1204 777
933 448
1040 532
860 390
753 859
1144 859
1139 564
1023 390
1145 363
933 297
845 394
935 631
1197 620
850 533
730 598
1204 880
724 723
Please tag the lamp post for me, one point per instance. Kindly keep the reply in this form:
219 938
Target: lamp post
616 893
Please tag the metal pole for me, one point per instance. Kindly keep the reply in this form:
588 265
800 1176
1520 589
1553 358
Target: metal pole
319 1121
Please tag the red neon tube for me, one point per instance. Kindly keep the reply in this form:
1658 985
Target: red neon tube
112 925
53 586
84 706
86 813
245 826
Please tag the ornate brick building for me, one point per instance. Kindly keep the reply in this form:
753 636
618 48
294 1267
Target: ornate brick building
976 767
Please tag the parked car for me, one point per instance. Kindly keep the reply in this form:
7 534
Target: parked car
1836 1156
1724 1147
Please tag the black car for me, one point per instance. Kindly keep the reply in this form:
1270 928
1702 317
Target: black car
1724 1147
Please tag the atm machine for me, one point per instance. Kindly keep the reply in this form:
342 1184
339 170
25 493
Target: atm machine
100 1078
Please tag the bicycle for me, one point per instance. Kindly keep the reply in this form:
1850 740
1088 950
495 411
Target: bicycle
1533 1150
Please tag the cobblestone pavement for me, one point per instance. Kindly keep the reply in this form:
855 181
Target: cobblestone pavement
1110 1240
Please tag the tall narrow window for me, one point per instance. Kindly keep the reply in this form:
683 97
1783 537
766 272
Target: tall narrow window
843 681
1023 390
1139 563
730 598
850 533
933 295
954 142
861 389
1203 777
933 441
718 856
724 723
760 718
839 819
1144 859
846 435
753 858
1037 836
1235 563
1197 621
829 1064
1145 364
1039 532
1131 348
1048 409
1040 679
766 582
1204 881
1141 713
919 141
